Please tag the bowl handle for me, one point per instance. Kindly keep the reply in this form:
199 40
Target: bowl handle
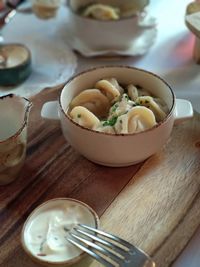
183 110
50 110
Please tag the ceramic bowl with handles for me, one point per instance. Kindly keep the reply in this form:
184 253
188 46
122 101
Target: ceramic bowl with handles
107 34
119 149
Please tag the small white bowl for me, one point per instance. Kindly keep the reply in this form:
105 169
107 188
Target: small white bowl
51 219
111 35
119 149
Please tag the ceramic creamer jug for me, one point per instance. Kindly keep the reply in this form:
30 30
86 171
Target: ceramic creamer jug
14 113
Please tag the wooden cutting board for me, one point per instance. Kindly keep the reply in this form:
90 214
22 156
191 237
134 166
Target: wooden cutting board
154 205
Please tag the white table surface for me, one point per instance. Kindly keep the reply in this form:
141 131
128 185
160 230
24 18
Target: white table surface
170 57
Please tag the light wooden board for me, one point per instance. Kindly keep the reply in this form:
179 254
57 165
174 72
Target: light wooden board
159 208
154 205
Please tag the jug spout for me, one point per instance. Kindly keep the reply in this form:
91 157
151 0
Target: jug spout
14 114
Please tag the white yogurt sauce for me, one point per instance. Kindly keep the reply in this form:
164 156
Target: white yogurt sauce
47 228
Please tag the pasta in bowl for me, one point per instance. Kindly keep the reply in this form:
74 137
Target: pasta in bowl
115 109
118 127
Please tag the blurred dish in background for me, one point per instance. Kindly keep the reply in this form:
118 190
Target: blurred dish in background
45 9
15 64
100 34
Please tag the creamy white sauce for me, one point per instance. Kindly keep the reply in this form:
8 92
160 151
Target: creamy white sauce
47 230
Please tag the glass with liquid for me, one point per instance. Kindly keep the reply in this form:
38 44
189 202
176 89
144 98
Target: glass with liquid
14 113
45 9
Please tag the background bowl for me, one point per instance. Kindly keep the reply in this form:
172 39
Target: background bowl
15 64
120 149
106 35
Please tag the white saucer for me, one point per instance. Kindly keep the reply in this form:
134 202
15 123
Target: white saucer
139 46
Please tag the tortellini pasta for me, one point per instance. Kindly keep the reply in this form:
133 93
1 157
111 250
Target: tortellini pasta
115 109
115 83
150 103
107 12
134 92
93 100
84 117
101 12
108 89
138 119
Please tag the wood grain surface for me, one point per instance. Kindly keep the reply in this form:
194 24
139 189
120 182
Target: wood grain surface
158 210
154 205
52 169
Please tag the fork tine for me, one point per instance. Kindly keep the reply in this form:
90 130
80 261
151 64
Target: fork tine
132 250
91 253
116 248
113 237
100 249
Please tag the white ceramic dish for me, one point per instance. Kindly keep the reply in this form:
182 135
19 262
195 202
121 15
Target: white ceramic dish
47 227
112 35
118 150
139 45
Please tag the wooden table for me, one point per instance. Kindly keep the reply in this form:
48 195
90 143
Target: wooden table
154 205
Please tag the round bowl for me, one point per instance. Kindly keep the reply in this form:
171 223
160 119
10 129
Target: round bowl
109 34
45 230
15 64
119 149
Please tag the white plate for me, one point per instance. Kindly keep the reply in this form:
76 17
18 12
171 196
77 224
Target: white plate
139 46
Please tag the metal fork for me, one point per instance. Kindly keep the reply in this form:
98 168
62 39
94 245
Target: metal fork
108 249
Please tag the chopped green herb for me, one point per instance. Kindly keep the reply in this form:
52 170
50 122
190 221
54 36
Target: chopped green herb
42 245
120 121
114 107
79 116
126 96
110 122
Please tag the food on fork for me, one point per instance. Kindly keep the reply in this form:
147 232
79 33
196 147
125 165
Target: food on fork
115 109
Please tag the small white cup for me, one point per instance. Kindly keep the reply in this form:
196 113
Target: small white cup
120 149
44 230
